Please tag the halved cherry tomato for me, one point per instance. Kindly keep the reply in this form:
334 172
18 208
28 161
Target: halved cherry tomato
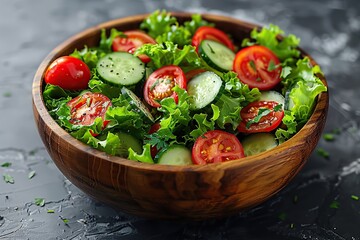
133 41
216 146
258 67
84 109
69 73
266 123
160 83
211 33
154 128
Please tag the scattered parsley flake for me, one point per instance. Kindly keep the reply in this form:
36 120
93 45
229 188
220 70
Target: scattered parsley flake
40 202
50 211
292 225
8 178
322 152
278 107
262 113
31 174
334 205
271 66
252 65
329 137
282 216
6 164
7 94
354 197
295 199
336 131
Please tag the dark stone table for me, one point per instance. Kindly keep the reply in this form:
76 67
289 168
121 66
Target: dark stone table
320 203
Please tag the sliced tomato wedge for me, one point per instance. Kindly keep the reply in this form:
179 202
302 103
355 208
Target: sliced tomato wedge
258 67
160 83
216 146
266 123
84 109
134 40
211 33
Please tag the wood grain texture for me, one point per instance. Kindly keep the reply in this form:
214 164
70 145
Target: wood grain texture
173 192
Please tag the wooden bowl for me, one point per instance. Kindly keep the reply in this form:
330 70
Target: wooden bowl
173 192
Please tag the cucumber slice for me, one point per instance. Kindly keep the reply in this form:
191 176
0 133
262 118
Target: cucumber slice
135 101
121 68
217 55
273 96
128 141
258 142
176 155
203 89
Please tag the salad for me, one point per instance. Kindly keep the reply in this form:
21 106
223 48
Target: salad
179 94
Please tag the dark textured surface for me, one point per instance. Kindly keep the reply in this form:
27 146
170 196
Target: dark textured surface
330 32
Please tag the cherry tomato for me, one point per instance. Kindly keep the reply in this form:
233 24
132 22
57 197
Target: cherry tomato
216 146
258 67
133 41
84 109
68 73
211 33
192 73
154 128
266 123
160 83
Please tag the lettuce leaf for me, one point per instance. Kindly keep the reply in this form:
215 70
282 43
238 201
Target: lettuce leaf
90 56
144 157
203 124
302 86
177 34
106 42
195 23
286 49
158 23
168 53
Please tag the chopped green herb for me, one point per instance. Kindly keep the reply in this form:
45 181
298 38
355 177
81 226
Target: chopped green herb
334 204
252 65
6 164
32 152
322 152
282 216
271 66
278 108
50 211
8 178
66 221
291 225
7 94
295 199
40 202
336 131
329 137
262 113
31 174
354 197
258 79
88 101
154 84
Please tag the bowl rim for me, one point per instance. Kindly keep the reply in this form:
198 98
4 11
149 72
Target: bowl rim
39 105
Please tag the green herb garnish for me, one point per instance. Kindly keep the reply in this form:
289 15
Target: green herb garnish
31 174
6 164
334 204
271 66
7 94
252 65
354 197
329 137
262 113
40 202
323 153
50 211
8 178
278 108
282 216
